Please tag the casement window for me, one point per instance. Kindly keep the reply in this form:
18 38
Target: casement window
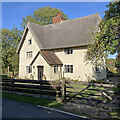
55 68
29 41
68 50
28 69
104 68
68 68
29 54
98 68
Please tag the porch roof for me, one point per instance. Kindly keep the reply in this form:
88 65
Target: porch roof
49 56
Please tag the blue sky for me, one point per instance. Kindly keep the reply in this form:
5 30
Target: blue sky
13 12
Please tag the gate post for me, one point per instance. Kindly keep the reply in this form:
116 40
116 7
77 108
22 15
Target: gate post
13 82
63 81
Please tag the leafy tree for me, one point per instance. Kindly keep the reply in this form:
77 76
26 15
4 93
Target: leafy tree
107 38
10 40
43 16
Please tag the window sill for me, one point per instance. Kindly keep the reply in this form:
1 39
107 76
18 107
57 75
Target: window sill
98 71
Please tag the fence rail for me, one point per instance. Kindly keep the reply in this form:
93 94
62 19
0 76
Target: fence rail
46 82
40 87
61 90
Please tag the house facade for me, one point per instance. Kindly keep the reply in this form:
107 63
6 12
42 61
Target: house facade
54 51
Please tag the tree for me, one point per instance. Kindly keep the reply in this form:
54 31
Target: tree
107 38
10 40
43 16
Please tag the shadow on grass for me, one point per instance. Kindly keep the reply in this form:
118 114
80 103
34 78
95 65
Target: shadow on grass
32 100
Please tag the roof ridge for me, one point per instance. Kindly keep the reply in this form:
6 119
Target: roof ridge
98 15
85 16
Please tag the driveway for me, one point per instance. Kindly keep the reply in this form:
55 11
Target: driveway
14 109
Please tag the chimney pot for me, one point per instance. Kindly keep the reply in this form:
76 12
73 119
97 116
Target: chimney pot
59 14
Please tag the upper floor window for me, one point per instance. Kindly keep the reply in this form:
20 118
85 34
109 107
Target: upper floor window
29 41
29 54
68 68
28 69
55 68
68 50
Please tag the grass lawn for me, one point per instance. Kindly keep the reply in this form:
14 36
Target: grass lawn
86 91
32 100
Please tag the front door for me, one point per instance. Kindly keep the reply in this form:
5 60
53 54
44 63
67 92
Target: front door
40 72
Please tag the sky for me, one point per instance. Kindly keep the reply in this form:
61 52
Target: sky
13 12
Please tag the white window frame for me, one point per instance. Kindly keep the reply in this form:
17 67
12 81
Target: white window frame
98 68
55 68
68 51
28 69
30 41
68 68
29 54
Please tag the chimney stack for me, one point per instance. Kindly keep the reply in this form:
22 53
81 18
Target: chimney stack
57 19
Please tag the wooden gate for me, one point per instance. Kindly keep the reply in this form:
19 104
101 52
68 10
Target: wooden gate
90 92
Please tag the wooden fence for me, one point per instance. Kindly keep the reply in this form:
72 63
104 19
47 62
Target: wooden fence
51 89
60 90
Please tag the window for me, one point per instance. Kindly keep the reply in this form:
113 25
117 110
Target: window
29 41
55 68
98 68
28 69
104 68
29 54
68 51
68 68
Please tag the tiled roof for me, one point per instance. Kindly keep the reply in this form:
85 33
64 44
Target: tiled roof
50 57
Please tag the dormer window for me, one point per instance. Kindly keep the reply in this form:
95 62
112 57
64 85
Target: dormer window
68 50
29 41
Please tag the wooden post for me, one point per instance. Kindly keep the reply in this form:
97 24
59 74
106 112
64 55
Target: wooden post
8 71
12 81
58 93
40 84
63 74
63 81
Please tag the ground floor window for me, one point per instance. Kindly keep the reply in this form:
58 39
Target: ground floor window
55 68
28 69
68 68
98 68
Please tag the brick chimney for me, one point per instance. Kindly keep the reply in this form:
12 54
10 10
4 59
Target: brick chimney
57 19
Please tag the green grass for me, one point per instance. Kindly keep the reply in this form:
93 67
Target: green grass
32 100
86 91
